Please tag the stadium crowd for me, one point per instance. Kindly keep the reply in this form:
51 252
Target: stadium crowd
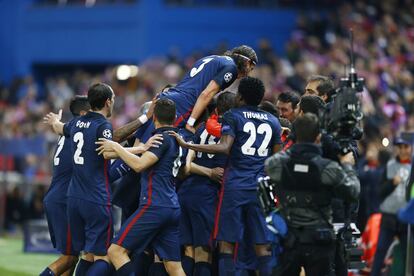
383 44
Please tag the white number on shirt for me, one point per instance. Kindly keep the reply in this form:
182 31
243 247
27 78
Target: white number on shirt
205 138
61 142
177 162
250 128
78 138
196 70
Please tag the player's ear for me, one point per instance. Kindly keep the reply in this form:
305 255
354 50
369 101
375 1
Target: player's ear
108 102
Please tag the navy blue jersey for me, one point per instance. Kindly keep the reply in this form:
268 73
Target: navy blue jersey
188 136
255 134
62 169
208 160
158 181
144 132
221 69
90 180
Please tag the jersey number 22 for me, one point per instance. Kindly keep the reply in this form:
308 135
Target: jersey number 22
250 128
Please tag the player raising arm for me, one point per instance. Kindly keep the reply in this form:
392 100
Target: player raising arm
55 199
155 222
249 136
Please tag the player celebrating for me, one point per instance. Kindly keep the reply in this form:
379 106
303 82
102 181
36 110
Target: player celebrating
89 194
198 195
155 222
208 76
249 136
55 199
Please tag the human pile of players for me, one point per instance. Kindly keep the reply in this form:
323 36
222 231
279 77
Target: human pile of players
186 178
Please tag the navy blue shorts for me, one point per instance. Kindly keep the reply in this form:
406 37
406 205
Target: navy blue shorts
90 225
198 207
239 211
57 221
152 226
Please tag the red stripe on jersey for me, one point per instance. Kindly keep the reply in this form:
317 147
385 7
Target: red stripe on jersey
183 117
68 242
108 232
140 213
220 202
236 251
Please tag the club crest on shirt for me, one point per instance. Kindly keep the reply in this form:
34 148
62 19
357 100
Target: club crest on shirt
107 134
228 76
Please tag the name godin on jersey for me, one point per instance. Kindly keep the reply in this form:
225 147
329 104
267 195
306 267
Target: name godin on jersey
81 124
255 115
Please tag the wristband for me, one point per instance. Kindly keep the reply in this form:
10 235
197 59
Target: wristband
191 121
143 118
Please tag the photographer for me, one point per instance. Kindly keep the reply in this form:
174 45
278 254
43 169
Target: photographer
305 184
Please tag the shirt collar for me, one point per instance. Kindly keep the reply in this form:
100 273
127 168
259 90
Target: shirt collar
162 129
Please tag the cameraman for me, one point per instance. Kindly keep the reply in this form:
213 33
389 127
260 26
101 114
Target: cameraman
306 183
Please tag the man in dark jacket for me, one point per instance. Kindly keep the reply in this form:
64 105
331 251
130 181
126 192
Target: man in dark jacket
306 183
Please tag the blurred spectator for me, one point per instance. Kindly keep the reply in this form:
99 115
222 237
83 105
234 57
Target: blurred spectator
393 192
371 167
14 209
35 210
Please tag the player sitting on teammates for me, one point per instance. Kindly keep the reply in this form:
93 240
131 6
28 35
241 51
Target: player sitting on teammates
208 76
55 200
155 222
249 136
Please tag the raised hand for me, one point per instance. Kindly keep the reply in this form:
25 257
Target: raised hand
150 111
52 118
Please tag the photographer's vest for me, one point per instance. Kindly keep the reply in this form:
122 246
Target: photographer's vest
301 186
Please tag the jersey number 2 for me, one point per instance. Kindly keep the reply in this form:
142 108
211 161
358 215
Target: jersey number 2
250 128
78 138
56 159
196 70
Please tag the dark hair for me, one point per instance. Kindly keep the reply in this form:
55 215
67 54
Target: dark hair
167 87
312 104
240 54
164 110
325 85
269 107
98 94
79 103
225 101
285 122
251 90
306 128
289 97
